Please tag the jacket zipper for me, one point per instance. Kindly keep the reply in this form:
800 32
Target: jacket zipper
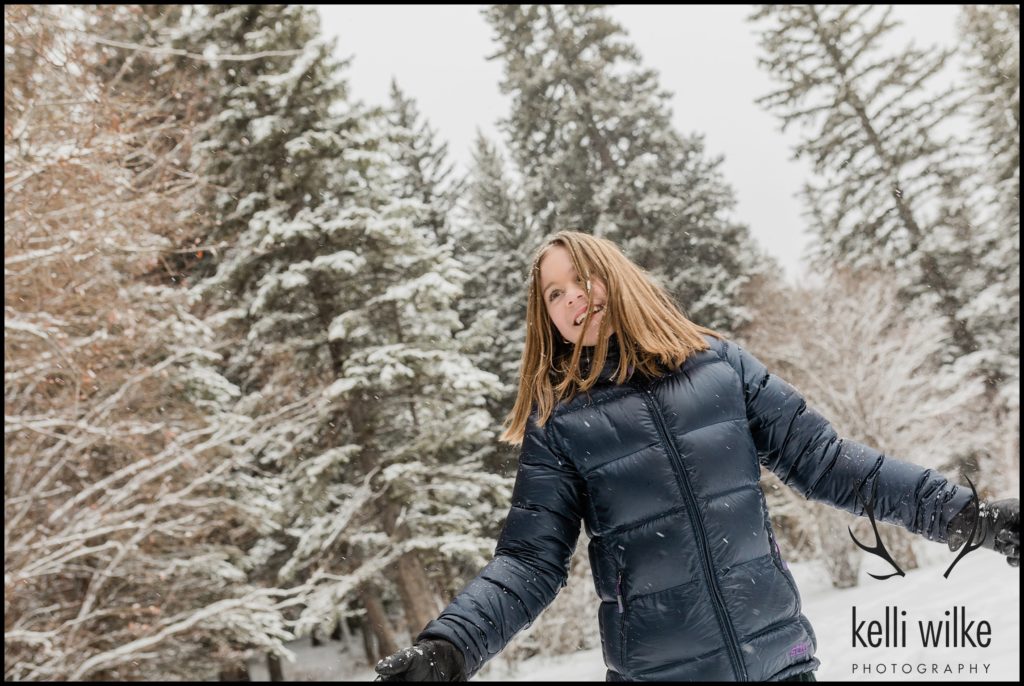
698 525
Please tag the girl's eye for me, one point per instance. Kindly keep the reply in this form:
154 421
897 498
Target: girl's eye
553 295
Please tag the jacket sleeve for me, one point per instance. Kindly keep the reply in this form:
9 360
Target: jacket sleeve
531 561
804 451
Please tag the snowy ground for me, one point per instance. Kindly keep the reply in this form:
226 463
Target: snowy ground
982 582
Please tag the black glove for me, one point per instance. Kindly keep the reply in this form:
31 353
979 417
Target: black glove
998 530
428 660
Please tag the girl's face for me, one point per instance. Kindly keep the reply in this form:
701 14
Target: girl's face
565 297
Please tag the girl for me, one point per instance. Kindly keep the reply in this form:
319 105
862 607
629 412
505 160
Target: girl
650 430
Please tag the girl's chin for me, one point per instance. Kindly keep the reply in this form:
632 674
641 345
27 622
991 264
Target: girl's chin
590 340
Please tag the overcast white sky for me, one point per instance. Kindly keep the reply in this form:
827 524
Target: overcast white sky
705 55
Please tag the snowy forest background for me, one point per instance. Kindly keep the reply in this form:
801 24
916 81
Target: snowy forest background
259 338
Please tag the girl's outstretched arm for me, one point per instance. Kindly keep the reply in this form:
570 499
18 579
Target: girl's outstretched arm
531 562
802 448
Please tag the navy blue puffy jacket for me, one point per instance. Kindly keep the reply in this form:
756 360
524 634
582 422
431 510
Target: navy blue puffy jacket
664 474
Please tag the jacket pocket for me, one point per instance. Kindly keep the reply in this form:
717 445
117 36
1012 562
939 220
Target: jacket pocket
781 566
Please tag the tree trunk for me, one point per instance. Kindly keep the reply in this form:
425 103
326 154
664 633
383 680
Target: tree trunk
377 621
1008 422
236 670
418 599
419 604
274 667
368 643
340 631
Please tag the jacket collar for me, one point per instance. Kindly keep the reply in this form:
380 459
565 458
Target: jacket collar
611 361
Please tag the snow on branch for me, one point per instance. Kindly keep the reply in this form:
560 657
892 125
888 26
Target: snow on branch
257 602
206 56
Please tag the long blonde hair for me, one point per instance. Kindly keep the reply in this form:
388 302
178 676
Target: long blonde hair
649 325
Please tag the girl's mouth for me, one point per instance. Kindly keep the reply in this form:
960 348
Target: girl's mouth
579 320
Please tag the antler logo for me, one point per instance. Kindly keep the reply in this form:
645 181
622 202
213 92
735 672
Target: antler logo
879 547
977 520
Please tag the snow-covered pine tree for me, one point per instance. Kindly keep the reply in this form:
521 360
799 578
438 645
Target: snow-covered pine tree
895 184
343 296
591 135
406 317
491 260
991 45
424 160
488 236
272 75
269 155
897 189
495 240
263 155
